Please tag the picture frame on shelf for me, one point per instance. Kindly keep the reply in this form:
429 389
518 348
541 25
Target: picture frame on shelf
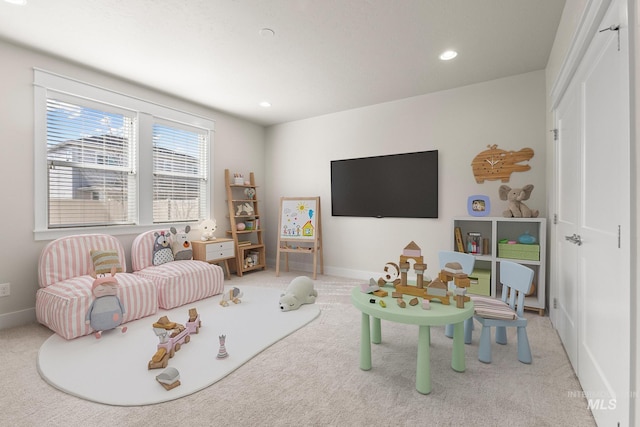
479 205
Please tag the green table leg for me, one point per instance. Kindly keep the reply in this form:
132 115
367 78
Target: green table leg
423 371
457 355
376 333
365 343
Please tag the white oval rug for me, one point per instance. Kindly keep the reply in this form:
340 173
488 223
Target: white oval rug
113 370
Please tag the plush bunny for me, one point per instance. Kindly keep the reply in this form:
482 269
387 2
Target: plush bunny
181 245
515 196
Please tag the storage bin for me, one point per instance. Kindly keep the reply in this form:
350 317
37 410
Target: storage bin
519 251
480 282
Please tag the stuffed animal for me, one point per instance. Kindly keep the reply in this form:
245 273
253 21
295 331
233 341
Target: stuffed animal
245 209
106 311
207 228
515 196
161 248
299 291
181 245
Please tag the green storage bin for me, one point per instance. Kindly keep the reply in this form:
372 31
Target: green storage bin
480 282
519 251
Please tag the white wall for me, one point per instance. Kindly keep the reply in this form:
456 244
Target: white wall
237 145
459 123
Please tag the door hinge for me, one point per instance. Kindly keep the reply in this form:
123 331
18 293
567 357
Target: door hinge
555 219
555 303
555 134
618 237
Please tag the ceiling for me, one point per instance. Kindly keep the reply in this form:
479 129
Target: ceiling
323 56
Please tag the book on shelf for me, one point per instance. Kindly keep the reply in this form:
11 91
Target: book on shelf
459 244
244 243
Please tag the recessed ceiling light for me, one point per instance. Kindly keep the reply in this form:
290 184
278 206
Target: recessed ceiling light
448 54
267 32
265 104
18 2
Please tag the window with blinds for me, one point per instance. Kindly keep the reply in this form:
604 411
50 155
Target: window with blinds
91 158
180 165
105 158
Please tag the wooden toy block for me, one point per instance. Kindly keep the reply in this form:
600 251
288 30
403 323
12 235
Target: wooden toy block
170 386
193 314
414 301
411 290
382 304
426 304
401 303
380 293
396 294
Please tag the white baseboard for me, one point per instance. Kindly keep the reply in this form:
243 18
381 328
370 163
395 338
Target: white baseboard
18 318
330 271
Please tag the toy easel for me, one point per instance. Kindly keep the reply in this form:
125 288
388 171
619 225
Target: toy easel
300 224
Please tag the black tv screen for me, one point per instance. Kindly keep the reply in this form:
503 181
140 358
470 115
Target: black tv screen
398 185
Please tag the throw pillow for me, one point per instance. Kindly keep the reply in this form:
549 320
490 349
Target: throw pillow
161 248
181 245
104 260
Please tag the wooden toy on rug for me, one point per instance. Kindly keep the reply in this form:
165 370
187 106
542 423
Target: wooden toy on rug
106 311
412 252
299 291
222 353
171 336
233 295
169 378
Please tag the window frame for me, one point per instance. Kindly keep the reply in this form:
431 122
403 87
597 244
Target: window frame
45 83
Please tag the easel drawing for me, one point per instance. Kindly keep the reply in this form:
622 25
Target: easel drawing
300 230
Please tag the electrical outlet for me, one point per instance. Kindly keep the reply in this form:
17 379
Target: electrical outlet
5 289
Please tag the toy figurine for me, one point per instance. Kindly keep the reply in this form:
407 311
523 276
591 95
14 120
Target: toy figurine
106 311
222 353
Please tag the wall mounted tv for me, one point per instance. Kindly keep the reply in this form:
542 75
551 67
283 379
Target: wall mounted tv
397 186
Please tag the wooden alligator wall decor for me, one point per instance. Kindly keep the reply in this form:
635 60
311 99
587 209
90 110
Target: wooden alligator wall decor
496 164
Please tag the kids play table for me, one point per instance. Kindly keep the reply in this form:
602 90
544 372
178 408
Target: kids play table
439 314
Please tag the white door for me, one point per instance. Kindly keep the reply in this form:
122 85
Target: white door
593 192
567 155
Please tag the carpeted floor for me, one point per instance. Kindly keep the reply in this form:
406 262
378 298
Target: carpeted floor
311 378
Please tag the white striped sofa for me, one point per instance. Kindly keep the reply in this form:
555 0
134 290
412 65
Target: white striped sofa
65 294
178 282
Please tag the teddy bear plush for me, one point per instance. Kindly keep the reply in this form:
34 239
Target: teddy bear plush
207 228
515 196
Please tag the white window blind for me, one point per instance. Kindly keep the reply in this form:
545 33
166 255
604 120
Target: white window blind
180 173
91 159
106 158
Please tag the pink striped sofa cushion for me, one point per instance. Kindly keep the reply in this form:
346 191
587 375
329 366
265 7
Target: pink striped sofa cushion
178 282
65 285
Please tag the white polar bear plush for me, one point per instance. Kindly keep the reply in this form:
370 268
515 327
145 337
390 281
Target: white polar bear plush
299 291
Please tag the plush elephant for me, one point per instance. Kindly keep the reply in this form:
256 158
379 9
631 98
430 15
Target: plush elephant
299 291
515 196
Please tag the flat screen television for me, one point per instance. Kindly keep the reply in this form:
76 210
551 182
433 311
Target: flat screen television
396 186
